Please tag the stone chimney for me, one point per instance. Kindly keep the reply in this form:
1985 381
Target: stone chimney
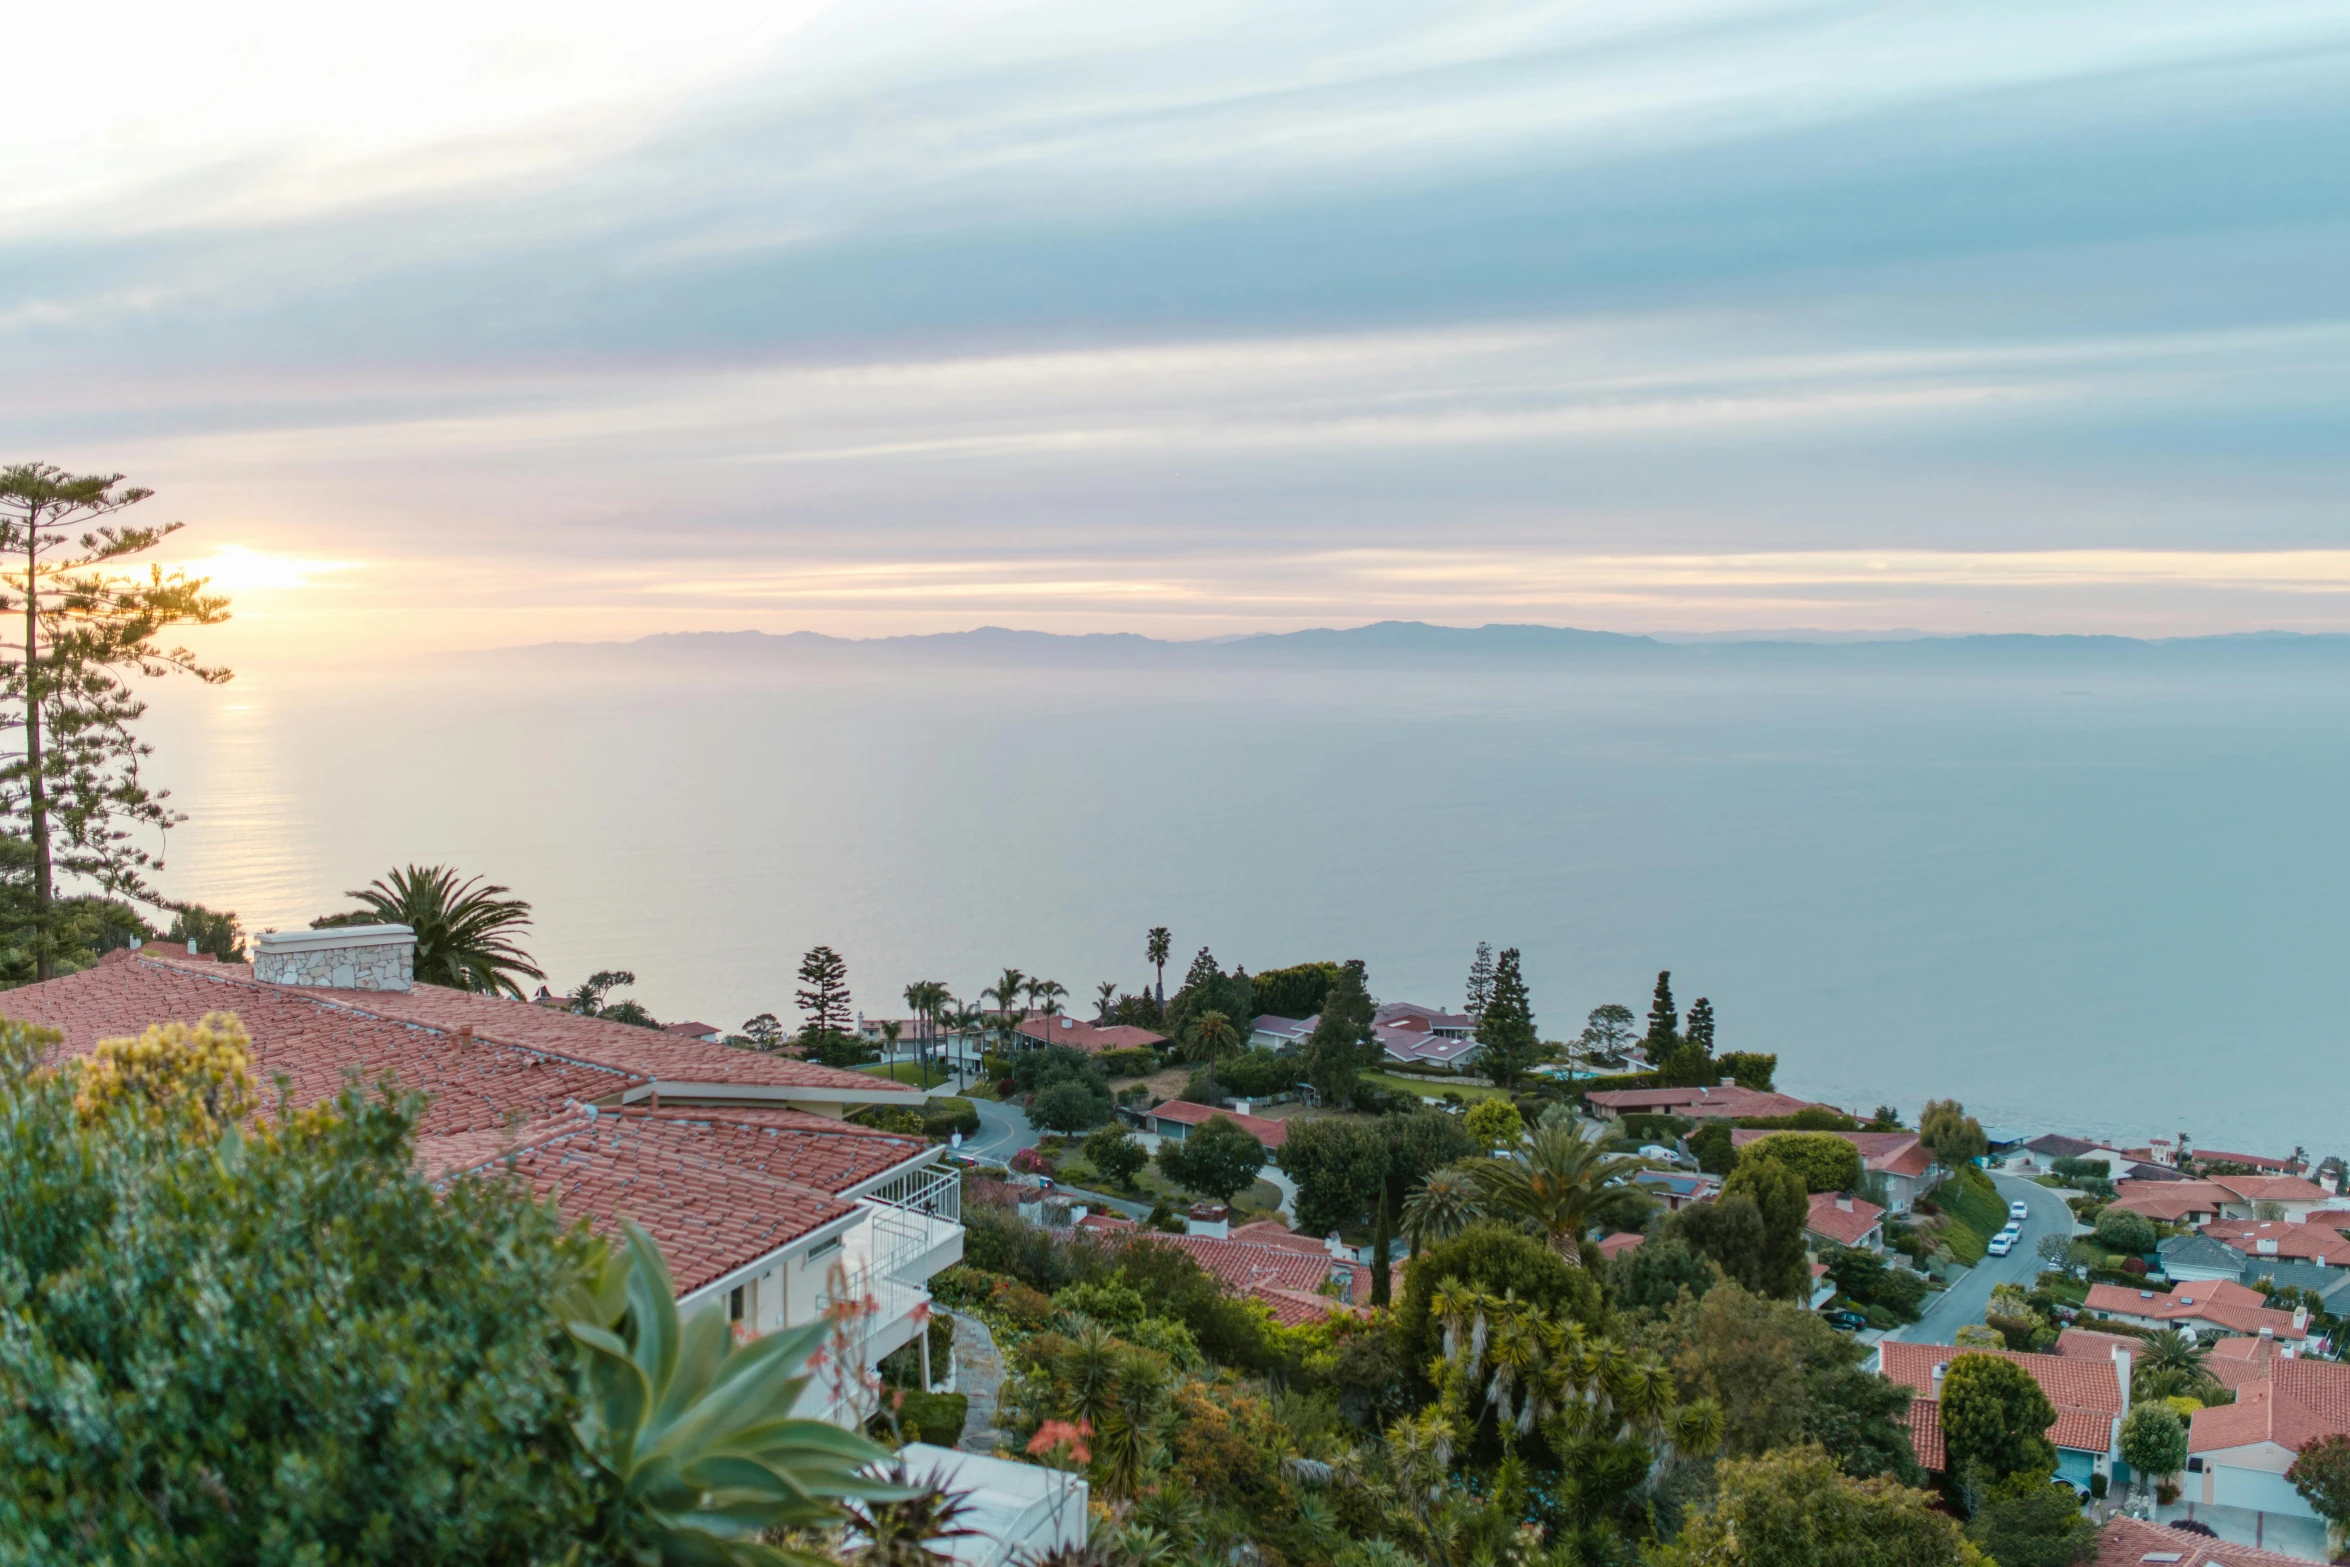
348 957
1211 1219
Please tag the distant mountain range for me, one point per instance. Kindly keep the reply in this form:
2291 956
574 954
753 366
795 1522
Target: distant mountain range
1412 644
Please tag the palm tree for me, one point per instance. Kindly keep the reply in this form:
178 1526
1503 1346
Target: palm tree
889 1041
963 1021
1213 1037
2171 1363
1048 993
463 930
1156 946
1564 1182
1440 1207
1105 996
1006 993
925 998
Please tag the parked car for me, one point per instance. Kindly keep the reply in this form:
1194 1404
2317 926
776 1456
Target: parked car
963 1161
2001 1244
2018 1211
1847 1321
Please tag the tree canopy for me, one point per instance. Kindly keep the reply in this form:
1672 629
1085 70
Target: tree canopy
1826 1162
1795 1508
1215 1159
1995 1419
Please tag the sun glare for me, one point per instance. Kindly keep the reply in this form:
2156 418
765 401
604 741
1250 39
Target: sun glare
233 569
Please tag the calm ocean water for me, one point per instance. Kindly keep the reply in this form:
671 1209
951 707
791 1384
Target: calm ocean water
2075 902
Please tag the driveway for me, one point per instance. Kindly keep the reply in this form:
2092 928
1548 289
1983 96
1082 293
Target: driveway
1965 1301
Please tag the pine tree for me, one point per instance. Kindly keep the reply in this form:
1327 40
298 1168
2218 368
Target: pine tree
1480 980
823 995
85 629
1664 1024
1506 1031
1340 1044
1701 1025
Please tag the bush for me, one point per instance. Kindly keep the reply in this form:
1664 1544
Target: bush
945 1117
2120 1230
1069 1106
936 1418
1296 992
891 1118
1128 1063
1748 1069
1116 1155
1495 1261
1257 1074
1495 1123
1826 1163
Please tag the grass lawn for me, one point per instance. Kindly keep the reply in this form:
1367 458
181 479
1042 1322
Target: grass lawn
1976 1214
1258 1201
1430 1087
909 1072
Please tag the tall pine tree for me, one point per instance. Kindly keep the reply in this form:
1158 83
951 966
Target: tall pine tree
1701 1025
1340 1045
1664 1023
1480 980
1506 1031
823 995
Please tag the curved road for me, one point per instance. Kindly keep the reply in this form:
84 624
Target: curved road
1965 1301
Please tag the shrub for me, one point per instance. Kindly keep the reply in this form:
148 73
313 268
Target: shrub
1257 1074
943 1117
1296 992
1069 1106
1494 1123
1494 1261
1028 1161
1748 1069
936 1418
1826 1163
1021 1305
1116 1155
2120 1230
1128 1063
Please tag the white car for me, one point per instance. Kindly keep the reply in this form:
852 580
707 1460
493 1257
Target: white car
2018 1212
2001 1244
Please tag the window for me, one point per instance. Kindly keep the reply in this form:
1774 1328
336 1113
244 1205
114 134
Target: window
734 1304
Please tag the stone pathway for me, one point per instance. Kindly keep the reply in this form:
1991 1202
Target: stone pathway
979 1371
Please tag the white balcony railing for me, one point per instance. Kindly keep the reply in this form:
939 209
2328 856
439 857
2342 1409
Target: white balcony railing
882 1274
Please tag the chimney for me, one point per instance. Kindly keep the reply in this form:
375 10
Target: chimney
1940 1367
1211 1219
1727 1082
348 957
2121 1371
2300 1321
2268 1248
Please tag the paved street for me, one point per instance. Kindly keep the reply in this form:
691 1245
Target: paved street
1965 1301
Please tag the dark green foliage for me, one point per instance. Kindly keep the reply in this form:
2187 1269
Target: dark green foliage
1665 1129
1664 1020
2118 1229
1480 987
1340 1046
1995 1420
1859 1418
79 930
1382 1238
1295 992
1216 1159
2154 1441
1748 1069
902 1367
945 1116
1034 1071
1779 1196
1207 988
281 1347
936 1418
2322 1475
2030 1522
1340 1168
1870 1280
1711 1144
465 932
1418 1142
1727 1232
1505 1033
1137 1062
1826 1162
1811 1118
212 931
840 1050
823 996
1700 1031
1954 1136
1116 1154
1257 1074
765 1032
1069 1105
1651 1276
1495 1261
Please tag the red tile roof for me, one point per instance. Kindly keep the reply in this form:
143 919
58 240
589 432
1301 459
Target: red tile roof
1267 1232
2255 1161
2127 1542
1893 1153
1844 1220
1619 1243
2237 1307
2320 1243
2169 1201
718 1186
1091 1038
2233 1362
1925 1433
1272 1134
1699 1103
2088 1344
2087 1393
2295 1404
2271 1188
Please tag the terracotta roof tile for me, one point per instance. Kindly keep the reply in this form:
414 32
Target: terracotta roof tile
2127 1542
1270 1133
2295 1404
1848 1225
2255 1238
1092 1038
2086 1393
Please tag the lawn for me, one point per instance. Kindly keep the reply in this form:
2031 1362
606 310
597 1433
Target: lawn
1149 1186
1976 1212
909 1072
1430 1087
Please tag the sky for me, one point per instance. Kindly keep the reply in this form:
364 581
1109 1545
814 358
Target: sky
518 322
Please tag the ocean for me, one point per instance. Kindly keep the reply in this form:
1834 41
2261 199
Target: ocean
2092 895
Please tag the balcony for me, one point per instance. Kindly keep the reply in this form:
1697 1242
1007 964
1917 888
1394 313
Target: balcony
877 1289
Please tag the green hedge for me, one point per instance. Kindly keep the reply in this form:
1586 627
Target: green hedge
936 1418
1128 1063
941 1117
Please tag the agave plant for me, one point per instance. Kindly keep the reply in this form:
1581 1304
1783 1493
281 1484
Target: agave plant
903 1533
696 1432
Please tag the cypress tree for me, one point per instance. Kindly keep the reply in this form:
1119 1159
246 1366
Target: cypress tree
1338 1047
1664 1023
1480 980
1506 1031
1701 1025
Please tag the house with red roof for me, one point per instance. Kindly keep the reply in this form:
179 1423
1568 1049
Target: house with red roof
1902 1158
2131 1542
2256 1240
1724 1101
2090 1397
1838 1220
1177 1118
1037 1030
767 1205
2206 1308
2237 1454
2172 1202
